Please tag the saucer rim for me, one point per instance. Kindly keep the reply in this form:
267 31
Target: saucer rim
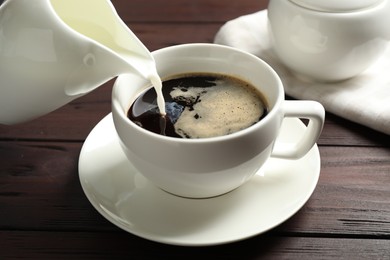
314 153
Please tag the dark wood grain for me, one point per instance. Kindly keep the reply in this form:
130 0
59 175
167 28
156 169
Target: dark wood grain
44 213
87 245
36 177
199 11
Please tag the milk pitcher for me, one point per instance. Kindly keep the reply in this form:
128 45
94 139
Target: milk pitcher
53 51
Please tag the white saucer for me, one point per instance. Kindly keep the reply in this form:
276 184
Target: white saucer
128 200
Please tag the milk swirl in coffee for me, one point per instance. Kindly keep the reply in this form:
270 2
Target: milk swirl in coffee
200 106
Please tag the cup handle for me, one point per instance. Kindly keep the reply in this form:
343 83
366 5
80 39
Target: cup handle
311 110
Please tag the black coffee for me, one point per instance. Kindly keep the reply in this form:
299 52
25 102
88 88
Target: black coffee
200 106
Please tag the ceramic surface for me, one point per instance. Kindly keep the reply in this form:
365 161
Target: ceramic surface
125 198
319 43
337 5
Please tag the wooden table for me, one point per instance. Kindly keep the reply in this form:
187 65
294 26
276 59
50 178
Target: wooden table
44 213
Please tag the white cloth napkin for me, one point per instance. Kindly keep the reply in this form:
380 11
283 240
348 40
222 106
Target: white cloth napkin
364 99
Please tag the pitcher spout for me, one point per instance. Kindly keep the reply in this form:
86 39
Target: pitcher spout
116 49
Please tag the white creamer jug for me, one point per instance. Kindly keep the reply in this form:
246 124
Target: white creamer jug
53 51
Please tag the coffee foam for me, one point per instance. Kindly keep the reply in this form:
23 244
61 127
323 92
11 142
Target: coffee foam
227 107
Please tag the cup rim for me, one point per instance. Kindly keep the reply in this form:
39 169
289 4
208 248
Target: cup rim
116 107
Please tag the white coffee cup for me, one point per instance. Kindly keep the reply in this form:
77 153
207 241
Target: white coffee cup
207 167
